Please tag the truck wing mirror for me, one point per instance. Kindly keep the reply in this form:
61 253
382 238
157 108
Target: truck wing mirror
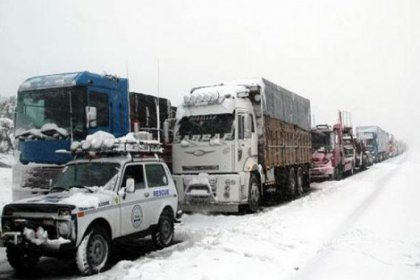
91 117
129 185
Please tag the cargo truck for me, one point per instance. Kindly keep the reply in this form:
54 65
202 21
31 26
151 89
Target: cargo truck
238 143
376 141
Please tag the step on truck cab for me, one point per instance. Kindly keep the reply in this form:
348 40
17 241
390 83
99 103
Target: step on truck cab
238 143
104 195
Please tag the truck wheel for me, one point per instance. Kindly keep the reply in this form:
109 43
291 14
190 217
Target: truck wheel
21 260
93 252
306 180
299 182
291 183
338 173
254 195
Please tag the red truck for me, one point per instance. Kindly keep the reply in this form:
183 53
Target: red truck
332 152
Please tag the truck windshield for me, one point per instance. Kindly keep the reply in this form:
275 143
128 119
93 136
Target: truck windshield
51 106
321 141
86 175
206 124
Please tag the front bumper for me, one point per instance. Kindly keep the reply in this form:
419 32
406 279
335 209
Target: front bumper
211 192
35 242
322 172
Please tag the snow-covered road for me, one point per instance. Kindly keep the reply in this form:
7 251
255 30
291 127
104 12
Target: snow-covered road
366 226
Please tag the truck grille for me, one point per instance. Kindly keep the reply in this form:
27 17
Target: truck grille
200 167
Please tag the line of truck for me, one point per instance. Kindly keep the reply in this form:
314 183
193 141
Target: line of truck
230 146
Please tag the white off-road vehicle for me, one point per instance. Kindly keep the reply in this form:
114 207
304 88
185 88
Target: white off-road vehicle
95 201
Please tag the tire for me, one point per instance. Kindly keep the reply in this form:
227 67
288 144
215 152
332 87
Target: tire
291 183
338 173
93 253
306 180
254 194
299 182
22 261
163 235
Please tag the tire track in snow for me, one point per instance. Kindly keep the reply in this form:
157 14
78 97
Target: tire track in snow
347 223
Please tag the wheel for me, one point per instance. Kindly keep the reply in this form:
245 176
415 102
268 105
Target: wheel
299 182
254 195
21 260
306 180
291 183
338 173
93 252
163 235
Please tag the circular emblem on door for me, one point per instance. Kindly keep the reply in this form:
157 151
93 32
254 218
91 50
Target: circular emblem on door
136 216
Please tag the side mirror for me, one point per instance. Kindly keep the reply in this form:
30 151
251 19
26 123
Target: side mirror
129 185
166 131
91 117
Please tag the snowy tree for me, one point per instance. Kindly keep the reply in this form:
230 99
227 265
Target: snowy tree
7 108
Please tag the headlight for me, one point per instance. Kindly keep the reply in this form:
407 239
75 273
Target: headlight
63 228
7 226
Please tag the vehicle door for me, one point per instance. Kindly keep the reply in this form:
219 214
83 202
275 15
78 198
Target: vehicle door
245 128
99 101
161 188
135 206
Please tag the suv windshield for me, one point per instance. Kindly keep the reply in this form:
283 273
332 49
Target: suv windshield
87 175
206 124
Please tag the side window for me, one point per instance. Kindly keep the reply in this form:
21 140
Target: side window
156 176
241 126
135 172
251 120
100 101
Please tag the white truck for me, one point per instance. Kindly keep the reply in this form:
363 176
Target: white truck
238 143
97 199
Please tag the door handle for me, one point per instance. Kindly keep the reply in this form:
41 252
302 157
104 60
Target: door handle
146 194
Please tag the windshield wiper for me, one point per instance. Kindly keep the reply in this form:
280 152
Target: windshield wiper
58 188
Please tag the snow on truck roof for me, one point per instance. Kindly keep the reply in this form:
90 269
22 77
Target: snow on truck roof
277 102
69 80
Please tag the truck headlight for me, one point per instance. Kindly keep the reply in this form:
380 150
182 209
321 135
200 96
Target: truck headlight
7 226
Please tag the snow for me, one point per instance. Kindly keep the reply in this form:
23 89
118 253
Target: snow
297 239
364 227
40 237
81 199
5 187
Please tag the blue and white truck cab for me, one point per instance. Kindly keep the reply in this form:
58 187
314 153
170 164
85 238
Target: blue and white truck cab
54 110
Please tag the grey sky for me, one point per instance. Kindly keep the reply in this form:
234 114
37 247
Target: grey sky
360 56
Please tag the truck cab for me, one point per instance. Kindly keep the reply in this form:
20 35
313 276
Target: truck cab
54 110
214 147
101 197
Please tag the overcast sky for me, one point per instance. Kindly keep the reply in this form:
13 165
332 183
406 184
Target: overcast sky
360 56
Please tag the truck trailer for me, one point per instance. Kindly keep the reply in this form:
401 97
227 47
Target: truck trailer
238 143
376 141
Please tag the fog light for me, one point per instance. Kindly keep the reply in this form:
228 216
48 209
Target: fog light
63 228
